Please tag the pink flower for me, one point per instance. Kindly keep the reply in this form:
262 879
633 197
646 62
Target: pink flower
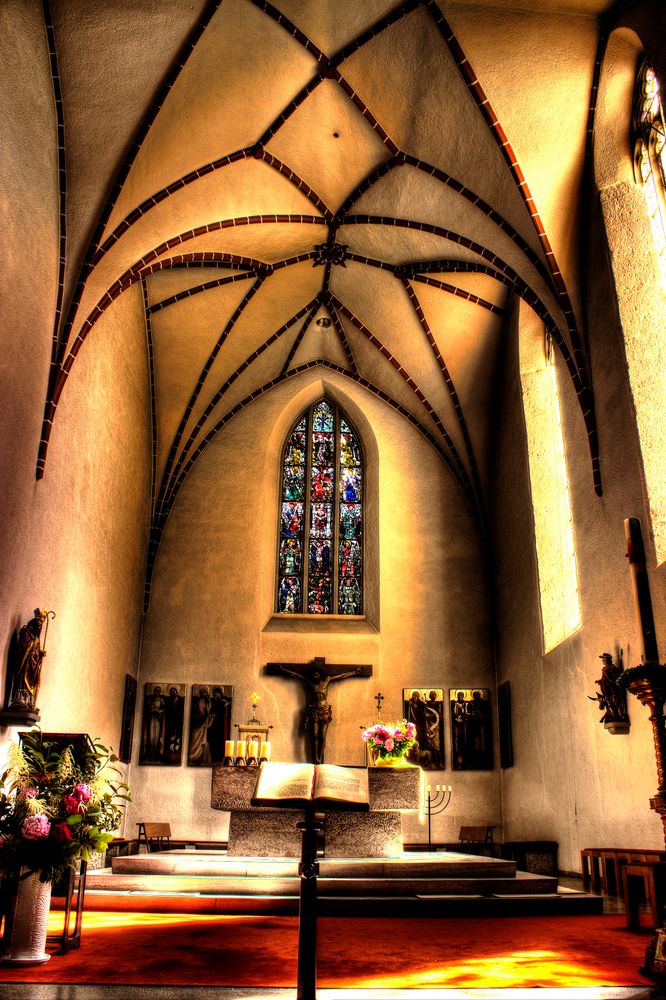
61 831
35 827
82 792
28 793
389 744
72 804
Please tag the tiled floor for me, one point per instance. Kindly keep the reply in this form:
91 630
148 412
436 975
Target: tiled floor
32 991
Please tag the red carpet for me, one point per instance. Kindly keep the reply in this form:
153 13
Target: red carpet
181 949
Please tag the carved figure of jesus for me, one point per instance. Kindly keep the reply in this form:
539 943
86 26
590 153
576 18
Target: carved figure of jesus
318 712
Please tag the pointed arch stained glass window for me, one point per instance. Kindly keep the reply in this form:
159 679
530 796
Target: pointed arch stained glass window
320 556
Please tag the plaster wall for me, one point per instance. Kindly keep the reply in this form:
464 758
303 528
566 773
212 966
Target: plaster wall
572 781
75 541
88 519
210 617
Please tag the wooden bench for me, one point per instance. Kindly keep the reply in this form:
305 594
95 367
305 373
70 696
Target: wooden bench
644 881
601 866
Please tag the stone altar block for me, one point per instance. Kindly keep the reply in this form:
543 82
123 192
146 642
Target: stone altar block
232 787
265 833
262 832
395 788
362 835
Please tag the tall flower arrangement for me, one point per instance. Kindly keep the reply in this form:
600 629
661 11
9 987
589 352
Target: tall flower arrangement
390 739
58 802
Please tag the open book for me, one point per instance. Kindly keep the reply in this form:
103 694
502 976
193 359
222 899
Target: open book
327 785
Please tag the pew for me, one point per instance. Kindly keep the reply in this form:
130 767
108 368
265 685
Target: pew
601 866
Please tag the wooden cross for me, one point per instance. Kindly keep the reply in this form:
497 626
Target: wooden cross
316 676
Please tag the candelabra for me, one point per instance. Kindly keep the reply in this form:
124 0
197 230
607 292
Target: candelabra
436 804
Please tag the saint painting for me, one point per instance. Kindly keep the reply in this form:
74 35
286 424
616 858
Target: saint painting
425 708
471 738
162 724
210 723
127 727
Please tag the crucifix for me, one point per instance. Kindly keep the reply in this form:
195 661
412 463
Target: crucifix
316 676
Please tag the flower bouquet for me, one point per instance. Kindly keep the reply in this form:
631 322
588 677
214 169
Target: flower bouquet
59 801
390 741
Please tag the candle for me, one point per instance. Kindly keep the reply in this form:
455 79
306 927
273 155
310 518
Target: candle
241 748
265 751
253 748
228 748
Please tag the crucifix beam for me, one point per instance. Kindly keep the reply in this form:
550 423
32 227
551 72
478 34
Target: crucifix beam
317 676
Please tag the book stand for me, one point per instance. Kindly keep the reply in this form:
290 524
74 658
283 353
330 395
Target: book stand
308 871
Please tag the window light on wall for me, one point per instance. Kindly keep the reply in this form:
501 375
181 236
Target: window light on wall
650 154
551 501
644 339
320 547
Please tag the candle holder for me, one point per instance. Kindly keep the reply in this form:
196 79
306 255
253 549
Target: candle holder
240 761
228 761
436 804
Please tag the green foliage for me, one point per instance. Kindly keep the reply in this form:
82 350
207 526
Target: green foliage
59 801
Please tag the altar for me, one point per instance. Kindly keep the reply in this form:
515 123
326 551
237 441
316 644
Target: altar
267 832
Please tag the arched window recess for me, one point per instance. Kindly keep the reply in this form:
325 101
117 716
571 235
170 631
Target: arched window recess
320 560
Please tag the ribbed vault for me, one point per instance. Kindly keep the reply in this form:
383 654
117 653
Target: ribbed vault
296 185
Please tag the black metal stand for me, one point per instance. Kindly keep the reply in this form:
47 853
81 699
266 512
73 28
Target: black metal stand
436 804
75 885
308 871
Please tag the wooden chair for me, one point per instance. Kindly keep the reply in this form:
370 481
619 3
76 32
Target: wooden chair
644 880
477 837
156 835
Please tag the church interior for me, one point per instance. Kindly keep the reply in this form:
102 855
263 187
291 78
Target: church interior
333 343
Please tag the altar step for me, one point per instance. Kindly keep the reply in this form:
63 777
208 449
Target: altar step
425 885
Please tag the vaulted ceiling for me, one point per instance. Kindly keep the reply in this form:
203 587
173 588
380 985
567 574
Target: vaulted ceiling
321 182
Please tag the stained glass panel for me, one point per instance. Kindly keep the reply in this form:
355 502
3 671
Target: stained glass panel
293 483
292 519
322 449
322 418
350 520
322 484
349 598
319 595
321 520
350 453
350 558
350 485
290 557
320 557
289 595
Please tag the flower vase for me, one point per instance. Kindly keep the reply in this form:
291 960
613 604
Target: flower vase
28 945
391 761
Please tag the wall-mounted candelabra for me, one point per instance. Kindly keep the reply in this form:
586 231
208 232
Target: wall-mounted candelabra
436 803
